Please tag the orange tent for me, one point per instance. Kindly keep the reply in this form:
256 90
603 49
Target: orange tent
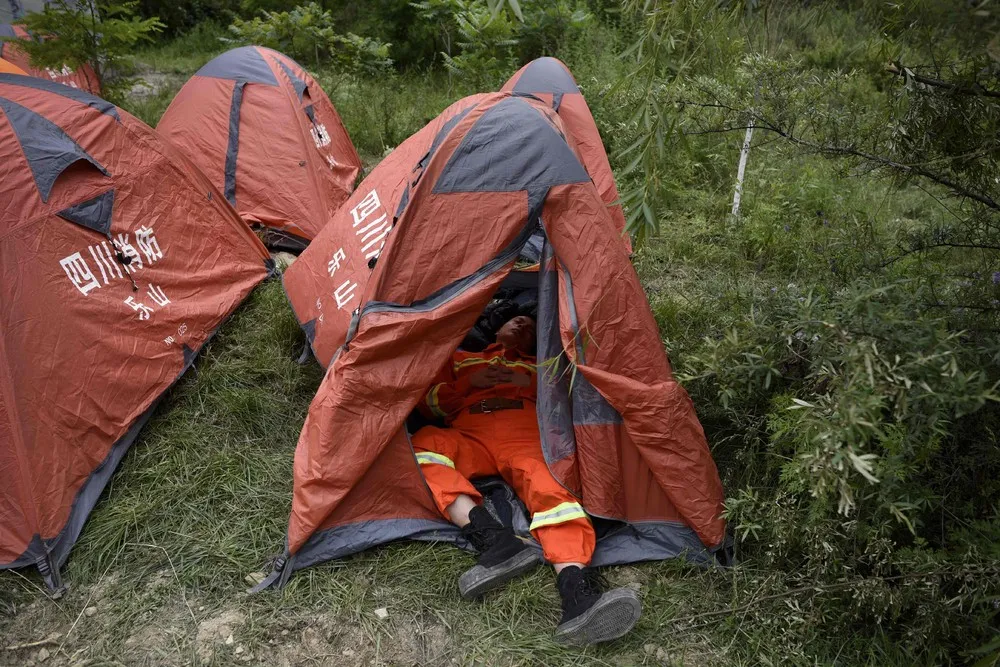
268 136
550 80
616 428
118 261
82 77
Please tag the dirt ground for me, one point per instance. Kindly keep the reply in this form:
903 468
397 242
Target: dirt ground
153 620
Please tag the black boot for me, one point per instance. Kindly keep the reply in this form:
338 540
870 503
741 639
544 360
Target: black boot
591 615
502 556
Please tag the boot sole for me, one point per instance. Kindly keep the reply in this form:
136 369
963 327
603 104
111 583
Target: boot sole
611 617
479 579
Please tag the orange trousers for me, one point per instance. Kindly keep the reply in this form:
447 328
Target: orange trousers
506 443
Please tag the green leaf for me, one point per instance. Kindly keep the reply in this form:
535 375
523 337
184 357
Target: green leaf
651 221
516 8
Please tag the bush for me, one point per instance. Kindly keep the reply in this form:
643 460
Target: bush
486 43
101 33
180 16
839 334
307 34
483 41
549 27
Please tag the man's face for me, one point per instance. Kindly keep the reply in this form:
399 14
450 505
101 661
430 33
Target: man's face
518 334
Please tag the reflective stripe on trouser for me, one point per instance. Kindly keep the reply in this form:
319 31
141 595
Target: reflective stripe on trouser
506 443
432 457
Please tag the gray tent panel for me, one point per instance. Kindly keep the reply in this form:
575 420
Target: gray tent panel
233 148
651 540
589 407
242 64
443 132
438 139
356 537
546 75
299 84
511 147
189 356
309 328
92 101
554 406
93 214
566 399
48 149
632 543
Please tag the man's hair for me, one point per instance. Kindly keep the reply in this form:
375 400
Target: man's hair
500 311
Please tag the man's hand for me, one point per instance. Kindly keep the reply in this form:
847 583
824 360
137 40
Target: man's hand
490 376
520 379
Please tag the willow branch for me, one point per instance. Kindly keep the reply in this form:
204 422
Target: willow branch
975 89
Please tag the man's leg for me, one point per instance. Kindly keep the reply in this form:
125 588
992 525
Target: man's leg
440 453
558 520
448 460
460 509
591 613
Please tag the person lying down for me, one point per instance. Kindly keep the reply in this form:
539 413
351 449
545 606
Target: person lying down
487 402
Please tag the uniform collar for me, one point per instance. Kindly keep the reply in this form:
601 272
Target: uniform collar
511 355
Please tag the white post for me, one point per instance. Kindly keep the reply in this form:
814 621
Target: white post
742 170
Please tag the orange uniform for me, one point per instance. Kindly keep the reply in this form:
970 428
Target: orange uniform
479 443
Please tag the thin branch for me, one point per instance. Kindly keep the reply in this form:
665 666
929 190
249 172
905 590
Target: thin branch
705 105
719 130
937 178
975 90
762 123
51 639
924 248
883 161
942 204
958 306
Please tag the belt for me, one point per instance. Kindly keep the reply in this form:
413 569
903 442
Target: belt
488 405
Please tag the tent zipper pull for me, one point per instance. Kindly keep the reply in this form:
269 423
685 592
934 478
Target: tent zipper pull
124 260
352 330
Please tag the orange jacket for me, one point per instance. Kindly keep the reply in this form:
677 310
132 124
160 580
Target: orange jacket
452 391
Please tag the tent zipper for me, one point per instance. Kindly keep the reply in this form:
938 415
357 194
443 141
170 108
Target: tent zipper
451 291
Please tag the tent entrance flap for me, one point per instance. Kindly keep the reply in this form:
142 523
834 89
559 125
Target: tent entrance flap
339 541
460 286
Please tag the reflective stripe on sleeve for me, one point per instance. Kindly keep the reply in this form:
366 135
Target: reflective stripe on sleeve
499 360
558 514
432 402
426 458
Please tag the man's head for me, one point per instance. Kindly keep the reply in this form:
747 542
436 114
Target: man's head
518 334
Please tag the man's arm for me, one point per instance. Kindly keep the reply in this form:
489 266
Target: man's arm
448 393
